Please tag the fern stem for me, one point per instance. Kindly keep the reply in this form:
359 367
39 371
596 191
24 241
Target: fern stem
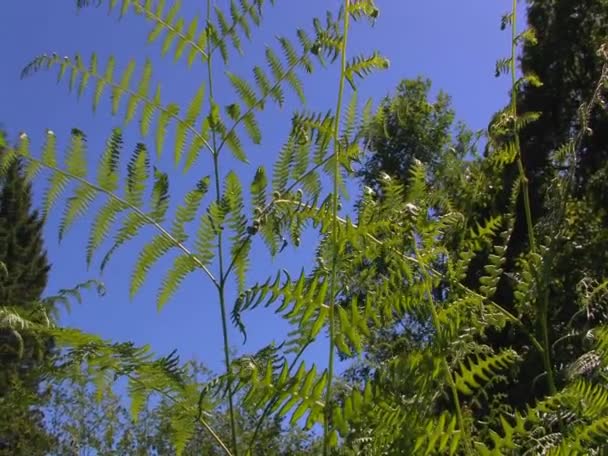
135 209
544 303
220 249
334 232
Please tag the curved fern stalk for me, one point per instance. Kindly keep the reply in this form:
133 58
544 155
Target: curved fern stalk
328 435
220 244
544 301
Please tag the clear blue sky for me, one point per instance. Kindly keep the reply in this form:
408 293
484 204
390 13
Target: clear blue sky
453 43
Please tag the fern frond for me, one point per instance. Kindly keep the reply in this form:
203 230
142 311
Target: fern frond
138 96
186 212
100 228
182 267
362 66
237 223
482 367
441 437
244 90
210 225
137 175
76 206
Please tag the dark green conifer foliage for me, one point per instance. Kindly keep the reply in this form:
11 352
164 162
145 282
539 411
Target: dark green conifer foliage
22 283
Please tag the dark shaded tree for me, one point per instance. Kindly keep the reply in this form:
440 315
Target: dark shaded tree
565 58
22 283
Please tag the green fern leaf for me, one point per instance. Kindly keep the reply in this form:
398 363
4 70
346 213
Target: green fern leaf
137 175
258 189
171 111
100 228
482 367
119 90
210 225
186 212
244 90
183 266
150 254
76 206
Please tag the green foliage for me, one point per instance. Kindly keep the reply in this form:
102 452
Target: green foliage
427 250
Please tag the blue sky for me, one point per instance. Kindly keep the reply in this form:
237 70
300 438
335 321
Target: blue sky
455 44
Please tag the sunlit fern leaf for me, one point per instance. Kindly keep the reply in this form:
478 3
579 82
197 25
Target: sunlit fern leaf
182 267
252 128
363 9
76 157
301 161
258 190
227 31
238 18
274 62
100 83
216 42
441 437
129 229
160 196
122 87
583 439
240 255
76 206
100 228
171 111
148 111
48 156
186 212
362 66
75 164
234 144
349 121
244 90
195 107
137 175
210 225
107 176
237 223
150 254
141 93
482 367
198 143
282 167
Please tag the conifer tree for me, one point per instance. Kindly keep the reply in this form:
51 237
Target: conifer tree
22 283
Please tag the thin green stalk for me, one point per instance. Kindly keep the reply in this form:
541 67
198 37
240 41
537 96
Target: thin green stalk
334 266
520 164
544 303
220 250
